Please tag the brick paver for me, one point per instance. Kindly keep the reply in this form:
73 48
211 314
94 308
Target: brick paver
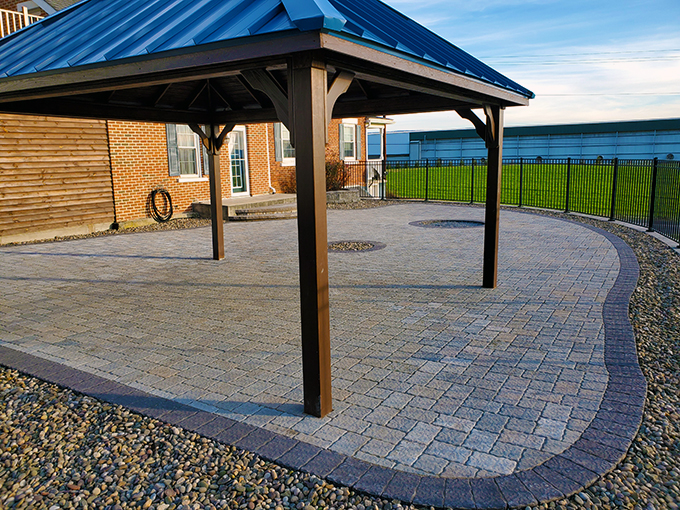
432 374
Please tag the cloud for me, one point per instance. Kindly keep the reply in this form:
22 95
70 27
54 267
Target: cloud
602 83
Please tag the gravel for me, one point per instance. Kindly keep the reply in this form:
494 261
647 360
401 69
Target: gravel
60 450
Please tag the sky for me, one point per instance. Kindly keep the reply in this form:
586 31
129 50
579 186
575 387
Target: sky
586 60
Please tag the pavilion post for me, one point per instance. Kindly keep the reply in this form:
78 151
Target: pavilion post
494 143
307 95
216 215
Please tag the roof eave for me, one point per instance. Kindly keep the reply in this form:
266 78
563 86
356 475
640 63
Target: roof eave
422 70
213 60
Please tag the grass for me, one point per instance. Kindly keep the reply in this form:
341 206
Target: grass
544 185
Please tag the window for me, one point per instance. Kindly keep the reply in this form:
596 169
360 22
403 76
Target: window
350 140
284 151
184 153
238 160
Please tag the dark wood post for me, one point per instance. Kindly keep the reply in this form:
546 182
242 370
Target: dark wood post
494 141
307 94
216 216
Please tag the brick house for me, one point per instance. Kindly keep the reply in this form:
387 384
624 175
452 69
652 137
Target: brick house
77 175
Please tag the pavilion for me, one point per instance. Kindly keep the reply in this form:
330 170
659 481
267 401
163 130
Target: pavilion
212 64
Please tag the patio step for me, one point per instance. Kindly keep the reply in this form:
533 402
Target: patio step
283 211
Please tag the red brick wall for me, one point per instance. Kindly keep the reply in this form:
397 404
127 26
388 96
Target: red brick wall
283 177
139 163
11 5
257 157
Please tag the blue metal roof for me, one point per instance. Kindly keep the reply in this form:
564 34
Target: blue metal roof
96 32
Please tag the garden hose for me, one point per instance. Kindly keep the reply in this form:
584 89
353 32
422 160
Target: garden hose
157 215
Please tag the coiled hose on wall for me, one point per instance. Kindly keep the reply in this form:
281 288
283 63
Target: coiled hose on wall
165 212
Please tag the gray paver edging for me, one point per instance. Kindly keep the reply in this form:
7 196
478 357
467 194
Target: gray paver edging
599 449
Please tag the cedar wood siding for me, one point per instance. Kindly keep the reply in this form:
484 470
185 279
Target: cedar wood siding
54 174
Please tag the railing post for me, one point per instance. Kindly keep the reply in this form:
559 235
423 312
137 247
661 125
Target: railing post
427 176
24 10
566 205
472 186
612 211
521 178
383 192
652 197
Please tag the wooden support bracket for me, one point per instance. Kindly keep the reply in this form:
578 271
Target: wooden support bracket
341 83
480 127
210 143
261 80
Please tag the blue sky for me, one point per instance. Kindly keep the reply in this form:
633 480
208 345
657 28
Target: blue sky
586 61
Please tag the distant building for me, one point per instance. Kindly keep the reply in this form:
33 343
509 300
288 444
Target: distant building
628 140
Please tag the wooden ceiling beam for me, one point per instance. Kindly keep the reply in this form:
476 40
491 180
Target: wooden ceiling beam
94 110
160 96
195 95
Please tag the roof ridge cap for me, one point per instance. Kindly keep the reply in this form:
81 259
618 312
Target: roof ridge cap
314 15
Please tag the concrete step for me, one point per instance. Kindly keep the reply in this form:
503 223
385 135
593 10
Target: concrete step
269 212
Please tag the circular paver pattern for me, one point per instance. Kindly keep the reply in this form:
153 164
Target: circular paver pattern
447 223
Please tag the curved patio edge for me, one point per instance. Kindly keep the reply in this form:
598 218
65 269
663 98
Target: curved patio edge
600 448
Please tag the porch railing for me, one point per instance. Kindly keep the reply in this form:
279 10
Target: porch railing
11 21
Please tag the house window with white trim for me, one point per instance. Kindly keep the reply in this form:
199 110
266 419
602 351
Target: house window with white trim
184 153
283 150
350 140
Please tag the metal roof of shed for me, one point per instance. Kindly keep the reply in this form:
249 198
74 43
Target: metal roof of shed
96 33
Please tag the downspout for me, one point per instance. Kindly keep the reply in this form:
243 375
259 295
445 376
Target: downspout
269 163
115 224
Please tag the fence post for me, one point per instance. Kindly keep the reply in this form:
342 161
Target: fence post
652 197
612 211
566 205
427 176
521 178
383 191
472 187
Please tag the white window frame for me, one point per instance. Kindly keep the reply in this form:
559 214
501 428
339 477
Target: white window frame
354 125
246 171
200 174
282 145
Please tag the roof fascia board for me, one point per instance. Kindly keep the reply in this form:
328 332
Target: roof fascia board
420 73
213 60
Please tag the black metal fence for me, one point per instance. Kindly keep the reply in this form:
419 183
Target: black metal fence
642 192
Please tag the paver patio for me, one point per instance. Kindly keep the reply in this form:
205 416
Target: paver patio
435 379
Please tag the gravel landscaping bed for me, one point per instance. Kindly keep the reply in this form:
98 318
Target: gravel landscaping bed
60 450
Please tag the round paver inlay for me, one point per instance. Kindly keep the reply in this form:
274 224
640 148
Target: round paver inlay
447 223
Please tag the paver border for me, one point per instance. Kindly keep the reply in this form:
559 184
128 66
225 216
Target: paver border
602 445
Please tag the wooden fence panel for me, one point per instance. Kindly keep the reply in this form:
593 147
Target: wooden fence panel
54 174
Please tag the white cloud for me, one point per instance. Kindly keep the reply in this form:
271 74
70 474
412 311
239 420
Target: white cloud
626 83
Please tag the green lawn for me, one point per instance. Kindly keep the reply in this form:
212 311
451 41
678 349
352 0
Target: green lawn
544 185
